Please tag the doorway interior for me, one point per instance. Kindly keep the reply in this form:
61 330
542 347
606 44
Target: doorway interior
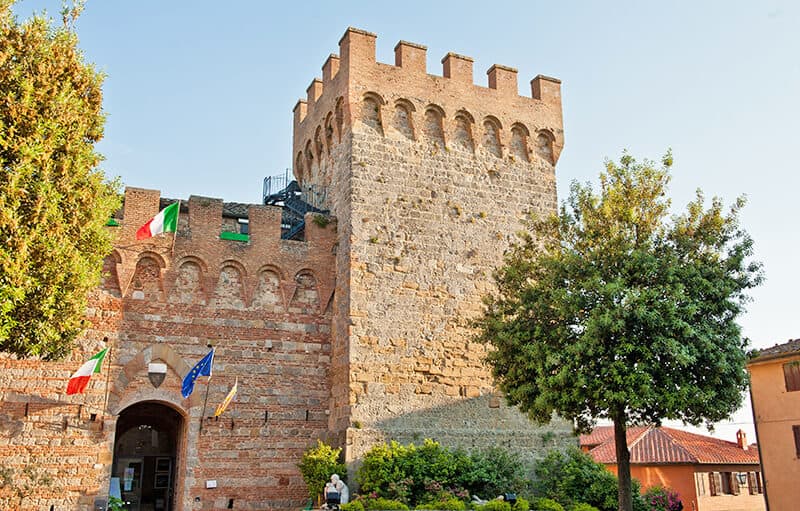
145 455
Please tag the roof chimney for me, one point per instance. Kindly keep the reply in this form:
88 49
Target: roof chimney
741 439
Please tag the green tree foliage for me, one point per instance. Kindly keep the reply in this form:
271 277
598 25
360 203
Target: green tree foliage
317 466
573 477
54 201
611 309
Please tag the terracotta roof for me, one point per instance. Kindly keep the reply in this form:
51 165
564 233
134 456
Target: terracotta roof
229 209
786 348
658 445
603 434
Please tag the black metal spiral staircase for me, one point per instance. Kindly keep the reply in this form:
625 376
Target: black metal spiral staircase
296 202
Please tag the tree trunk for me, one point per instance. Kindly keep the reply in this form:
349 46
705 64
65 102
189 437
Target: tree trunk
623 462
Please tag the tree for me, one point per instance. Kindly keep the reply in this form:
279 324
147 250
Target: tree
572 477
54 201
611 309
317 466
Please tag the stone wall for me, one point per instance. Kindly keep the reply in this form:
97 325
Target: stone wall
263 304
430 177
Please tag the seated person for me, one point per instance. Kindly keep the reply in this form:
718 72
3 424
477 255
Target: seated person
334 488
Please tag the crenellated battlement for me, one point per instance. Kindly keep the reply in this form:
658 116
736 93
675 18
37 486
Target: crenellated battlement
238 242
399 99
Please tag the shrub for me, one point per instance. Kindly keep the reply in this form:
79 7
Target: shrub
355 505
521 505
381 504
318 464
659 498
431 473
494 471
583 506
494 505
452 504
573 476
546 504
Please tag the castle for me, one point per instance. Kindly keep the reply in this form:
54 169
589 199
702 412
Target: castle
357 334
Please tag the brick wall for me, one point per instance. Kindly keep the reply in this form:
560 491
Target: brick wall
263 304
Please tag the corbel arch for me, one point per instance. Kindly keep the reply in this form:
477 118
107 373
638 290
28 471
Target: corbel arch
230 289
403 118
339 118
463 123
433 129
519 141
491 140
544 145
371 111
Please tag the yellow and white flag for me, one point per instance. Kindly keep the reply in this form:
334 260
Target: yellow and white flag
224 404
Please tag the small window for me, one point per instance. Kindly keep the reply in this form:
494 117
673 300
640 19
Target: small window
726 480
791 374
244 226
796 431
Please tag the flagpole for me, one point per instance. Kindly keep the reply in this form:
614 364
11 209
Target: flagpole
175 235
108 377
208 385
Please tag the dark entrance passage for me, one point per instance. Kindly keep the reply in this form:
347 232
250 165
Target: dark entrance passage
145 454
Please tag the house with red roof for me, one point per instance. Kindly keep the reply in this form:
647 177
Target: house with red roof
709 474
775 393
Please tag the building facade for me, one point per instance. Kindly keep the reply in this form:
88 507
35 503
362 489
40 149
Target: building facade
357 334
775 394
708 474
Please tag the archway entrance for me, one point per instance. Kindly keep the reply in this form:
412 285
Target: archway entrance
145 453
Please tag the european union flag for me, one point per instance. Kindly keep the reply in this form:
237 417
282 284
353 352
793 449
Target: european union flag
202 368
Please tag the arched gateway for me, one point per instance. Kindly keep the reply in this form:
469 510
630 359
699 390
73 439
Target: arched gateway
146 451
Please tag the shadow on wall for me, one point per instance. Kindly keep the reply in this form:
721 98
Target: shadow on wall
475 423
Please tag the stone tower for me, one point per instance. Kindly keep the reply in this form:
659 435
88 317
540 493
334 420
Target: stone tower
429 177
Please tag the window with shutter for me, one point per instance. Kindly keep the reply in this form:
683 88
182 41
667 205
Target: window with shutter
712 484
759 482
700 483
725 482
734 483
791 375
796 431
751 483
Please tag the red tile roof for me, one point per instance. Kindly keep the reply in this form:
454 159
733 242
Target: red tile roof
658 445
787 348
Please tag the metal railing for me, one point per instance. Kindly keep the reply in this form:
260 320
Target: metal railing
296 201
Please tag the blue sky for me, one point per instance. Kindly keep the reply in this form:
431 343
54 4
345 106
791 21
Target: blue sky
199 95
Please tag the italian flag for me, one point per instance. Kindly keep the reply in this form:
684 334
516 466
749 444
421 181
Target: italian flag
165 221
79 380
